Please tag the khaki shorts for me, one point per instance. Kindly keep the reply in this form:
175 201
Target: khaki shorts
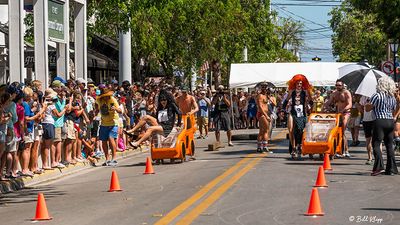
11 144
70 129
202 121
57 137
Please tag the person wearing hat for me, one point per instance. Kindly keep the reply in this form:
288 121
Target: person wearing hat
222 118
204 104
81 83
48 122
108 107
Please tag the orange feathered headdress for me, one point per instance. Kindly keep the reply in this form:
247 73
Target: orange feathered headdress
299 77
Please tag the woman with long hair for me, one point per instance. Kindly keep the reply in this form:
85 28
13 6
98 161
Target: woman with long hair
298 102
164 121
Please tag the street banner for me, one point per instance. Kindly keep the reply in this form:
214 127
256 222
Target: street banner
56 21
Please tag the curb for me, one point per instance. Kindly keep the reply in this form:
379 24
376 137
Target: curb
51 175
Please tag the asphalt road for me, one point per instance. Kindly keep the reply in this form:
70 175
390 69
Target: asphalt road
230 186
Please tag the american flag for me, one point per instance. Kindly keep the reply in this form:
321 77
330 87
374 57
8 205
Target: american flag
204 67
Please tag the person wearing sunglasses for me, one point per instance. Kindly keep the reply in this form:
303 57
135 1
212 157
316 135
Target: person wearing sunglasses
342 101
164 122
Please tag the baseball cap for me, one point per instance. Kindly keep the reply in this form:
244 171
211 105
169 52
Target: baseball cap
57 83
12 90
114 82
81 81
60 79
90 81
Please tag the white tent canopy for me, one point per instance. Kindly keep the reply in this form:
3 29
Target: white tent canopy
249 74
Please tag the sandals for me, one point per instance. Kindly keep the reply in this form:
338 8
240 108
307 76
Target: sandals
134 145
38 171
28 174
48 168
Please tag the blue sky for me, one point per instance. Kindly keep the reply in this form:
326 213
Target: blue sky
315 18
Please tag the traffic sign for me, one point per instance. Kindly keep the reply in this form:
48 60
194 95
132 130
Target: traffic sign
388 67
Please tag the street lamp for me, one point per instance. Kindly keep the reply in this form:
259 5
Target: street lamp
394 47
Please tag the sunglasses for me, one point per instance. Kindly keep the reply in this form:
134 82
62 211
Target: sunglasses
162 100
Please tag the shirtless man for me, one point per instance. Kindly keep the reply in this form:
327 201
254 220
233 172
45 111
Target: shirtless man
263 118
341 98
187 103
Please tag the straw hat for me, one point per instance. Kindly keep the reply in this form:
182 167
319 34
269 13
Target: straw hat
50 93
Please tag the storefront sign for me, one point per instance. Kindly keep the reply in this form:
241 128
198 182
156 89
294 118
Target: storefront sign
56 21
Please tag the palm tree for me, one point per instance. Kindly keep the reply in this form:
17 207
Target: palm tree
291 33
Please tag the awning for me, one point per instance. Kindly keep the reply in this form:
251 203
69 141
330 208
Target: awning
249 74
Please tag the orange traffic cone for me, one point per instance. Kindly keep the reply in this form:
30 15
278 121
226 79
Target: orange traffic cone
149 167
314 208
41 209
327 163
114 185
320 182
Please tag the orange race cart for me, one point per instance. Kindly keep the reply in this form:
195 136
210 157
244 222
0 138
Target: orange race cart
323 134
178 144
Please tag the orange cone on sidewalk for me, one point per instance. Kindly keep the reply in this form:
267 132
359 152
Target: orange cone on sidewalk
114 185
327 163
149 167
314 208
41 209
321 182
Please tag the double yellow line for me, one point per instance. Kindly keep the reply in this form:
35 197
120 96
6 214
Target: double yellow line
203 205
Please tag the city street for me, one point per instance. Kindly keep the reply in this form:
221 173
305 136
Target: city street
231 186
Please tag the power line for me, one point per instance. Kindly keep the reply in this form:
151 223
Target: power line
283 9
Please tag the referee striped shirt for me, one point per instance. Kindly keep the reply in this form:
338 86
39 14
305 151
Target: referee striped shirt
384 105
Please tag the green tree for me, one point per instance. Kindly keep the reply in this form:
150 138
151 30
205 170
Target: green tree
183 34
291 33
387 12
356 35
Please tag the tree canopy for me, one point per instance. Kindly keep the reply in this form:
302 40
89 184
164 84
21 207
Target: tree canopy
356 35
183 34
387 12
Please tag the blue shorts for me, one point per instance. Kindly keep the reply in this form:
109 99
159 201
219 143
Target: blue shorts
107 132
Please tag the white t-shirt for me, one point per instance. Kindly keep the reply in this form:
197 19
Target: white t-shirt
368 116
48 114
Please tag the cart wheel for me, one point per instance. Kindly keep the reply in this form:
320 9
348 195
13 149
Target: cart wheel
329 116
192 147
183 153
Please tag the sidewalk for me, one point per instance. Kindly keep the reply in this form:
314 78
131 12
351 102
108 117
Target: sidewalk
49 175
